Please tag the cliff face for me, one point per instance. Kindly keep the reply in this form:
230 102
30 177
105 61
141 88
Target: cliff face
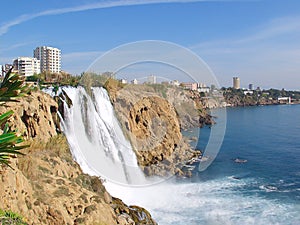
34 116
191 110
153 126
46 185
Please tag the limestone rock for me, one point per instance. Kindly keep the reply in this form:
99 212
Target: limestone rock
154 130
36 190
35 116
153 126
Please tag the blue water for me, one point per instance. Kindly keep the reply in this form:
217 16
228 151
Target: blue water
269 139
264 190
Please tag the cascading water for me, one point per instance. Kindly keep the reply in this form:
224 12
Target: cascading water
96 138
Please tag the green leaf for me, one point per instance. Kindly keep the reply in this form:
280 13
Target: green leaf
5 116
13 86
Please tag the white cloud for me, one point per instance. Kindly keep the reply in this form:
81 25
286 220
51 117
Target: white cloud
18 45
272 29
99 5
275 28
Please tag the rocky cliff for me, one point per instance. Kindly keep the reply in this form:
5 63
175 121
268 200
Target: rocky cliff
152 122
46 186
34 116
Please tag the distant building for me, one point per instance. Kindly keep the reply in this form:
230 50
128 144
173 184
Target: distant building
50 58
165 83
236 83
287 100
249 92
27 66
134 81
201 85
204 89
251 87
152 79
124 81
190 86
175 83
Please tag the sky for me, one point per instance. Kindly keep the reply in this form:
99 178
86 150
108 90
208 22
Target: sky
256 40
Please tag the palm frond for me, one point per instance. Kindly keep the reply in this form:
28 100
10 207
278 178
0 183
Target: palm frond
13 86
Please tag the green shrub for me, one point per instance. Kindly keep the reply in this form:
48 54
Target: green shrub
12 218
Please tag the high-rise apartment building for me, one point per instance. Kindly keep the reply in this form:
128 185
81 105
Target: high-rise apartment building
50 58
236 83
27 66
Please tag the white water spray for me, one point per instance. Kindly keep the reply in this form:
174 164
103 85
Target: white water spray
96 138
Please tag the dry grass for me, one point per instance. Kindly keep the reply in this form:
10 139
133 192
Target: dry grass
56 146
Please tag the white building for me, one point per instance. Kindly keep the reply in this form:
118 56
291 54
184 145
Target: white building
204 89
248 92
27 66
124 81
152 79
175 83
134 81
285 99
201 85
50 58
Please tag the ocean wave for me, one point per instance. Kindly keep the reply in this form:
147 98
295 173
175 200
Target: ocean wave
268 188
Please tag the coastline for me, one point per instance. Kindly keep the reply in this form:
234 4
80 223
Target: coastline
250 105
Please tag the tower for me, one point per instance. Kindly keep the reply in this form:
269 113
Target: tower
236 83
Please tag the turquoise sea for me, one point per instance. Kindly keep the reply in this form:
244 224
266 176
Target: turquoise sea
263 190
269 139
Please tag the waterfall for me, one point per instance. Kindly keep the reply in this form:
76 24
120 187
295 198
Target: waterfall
96 139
